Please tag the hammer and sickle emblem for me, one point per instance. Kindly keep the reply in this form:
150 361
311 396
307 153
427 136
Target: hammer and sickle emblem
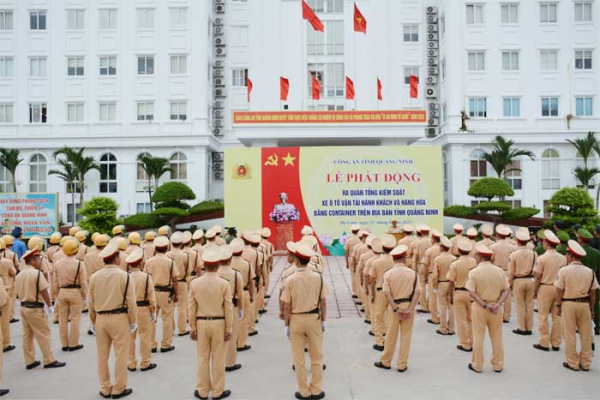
272 160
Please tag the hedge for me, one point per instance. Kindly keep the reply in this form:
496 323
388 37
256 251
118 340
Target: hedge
169 211
520 213
489 188
141 220
173 194
493 206
459 211
206 207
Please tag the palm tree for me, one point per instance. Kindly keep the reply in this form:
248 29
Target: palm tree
69 175
585 149
504 155
155 167
9 159
596 147
82 165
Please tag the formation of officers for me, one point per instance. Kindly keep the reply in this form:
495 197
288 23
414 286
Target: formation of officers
466 286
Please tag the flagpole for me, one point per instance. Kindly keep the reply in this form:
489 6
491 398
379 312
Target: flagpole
355 72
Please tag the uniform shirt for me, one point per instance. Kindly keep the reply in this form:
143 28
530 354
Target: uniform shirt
394 229
123 257
194 259
260 263
11 255
502 249
521 262
304 290
251 255
149 250
199 249
350 243
400 282
210 296
320 262
144 287
51 251
3 294
131 248
69 271
380 266
441 266
548 265
287 271
419 247
211 243
26 283
366 255
244 268
459 270
454 250
83 250
44 267
93 262
369 264
430 254
220 241
356 252
407 241
182 261
486 241
7 272
488 281
162 269
107 291
576 280
235 283
58 255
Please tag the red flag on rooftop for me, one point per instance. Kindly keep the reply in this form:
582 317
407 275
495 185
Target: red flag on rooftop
309 14
360 23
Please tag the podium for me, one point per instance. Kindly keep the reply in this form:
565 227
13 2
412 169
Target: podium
284 232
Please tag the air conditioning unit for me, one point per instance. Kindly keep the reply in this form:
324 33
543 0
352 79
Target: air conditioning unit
218 157
433 114
432 19
218 113
431 93
220 9
432 53
431 61
432 44
219 64
432 36
431 132
433 106
219 82
218 174
433 71
220 92
432 10
431 80
218 31
218 105
220 52
219 2
433 121
218 122
219 21
218 72
432 28
217 132
220 41
217 166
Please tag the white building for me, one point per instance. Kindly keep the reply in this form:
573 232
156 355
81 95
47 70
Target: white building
123 77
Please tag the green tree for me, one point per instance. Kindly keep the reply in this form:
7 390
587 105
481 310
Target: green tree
504 155
173 194
573 206
82 164
69 175
155 168
9 159
99 215
597 150
585 149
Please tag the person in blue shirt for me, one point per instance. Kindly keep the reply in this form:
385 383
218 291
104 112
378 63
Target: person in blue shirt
18 247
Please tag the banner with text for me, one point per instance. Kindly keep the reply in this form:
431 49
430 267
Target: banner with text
332 188
35 213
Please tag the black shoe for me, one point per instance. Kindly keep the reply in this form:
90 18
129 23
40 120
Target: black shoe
441 333
498 370
324 367
246 347
362 310
354 296
90 332
8 348
256 321
402 370
253 333
65 348
505 321
148 368
233 368
167 349
13 320
451 333
84 311
153 351
371 333
78 347
226 393
184 333
267 296
318 396
379 364
555 348
473 369
422 311
197 395
540 347
567 366
367 322
3 392
262 311
463 349
300 397
378 348
124 393
131 369
432 322
529 333
55 364
358 303
106 396
520 332
597 331
33 365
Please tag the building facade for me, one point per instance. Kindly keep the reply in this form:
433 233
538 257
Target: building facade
125 77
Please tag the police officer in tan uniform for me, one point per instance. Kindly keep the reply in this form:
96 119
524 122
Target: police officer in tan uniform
32 290
576 292
182 261
83 249
352 241
377 249
218 239
365 253
146 312
401 288
545 271
354 255
198 248
407 240
194 259
54 247
520 276
135 241
12 256
261 273
3 303
502 249
7 273
427 264
379 267
211 238
305 312
487 231
458 230
251 255
244 267
288 270
93 262
148 245
419 247
440 286
265 234
211 312
113 312
488 287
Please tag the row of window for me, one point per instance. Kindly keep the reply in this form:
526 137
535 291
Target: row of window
107 112
548 12
511 106
476 60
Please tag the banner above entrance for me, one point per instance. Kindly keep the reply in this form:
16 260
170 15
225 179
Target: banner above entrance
330 117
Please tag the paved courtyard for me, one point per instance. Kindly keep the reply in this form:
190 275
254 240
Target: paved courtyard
437 370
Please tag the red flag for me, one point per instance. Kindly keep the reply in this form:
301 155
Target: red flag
284 84
360 23
248 87
349 89
414 87
309 14
316 88
379 87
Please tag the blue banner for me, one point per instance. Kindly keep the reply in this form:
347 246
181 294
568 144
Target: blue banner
35 213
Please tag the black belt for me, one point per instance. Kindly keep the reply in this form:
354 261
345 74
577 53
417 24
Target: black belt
547 284
523 277
579 300
379 289
461 288
163 288
405 300
0 313
115 311
182 280
71 287
235 302
194 273
315 311
443 281
32 304
246 289
143 303
209 318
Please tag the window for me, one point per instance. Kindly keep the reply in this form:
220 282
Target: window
476 60
6 113
108 19
239 35
108 173
410 71
143 208
478 107
6 20
74 112
327 6
107 112
474 14
178 166
37 20
583 59
145 18
547 214
591 163
510 60
178 64
145 65
478 166
142 178
329 42
583 11
75 66
178 17
239 77
70 212
550 169
549 106
5 181
108 65
330 75
38 113
37 173
37 66
584 106
178 111
511 107
76 20
6 67
145 111
513 175
549 60
411 33
514 203
510 13
548 13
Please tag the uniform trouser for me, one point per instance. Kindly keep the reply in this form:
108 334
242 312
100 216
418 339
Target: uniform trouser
422 271
71 305
35 325
523 294
577 316
232 344
507 304
405 327
462 310
112 330
1 353
597 309
353 278
253 313
211 351
56 315
433 300
306 329
446 310
380 306
144 331
546 306
182 307
12 297
5 326
483 319
260 303
166 309
242 335
366 303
